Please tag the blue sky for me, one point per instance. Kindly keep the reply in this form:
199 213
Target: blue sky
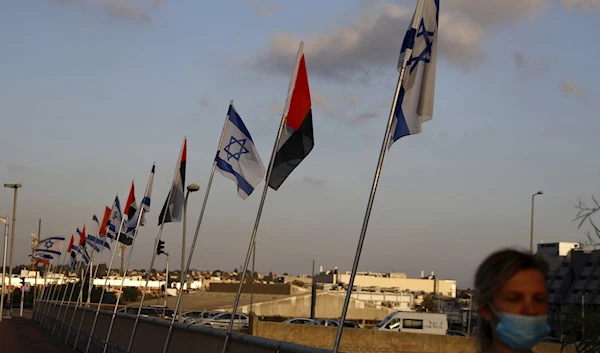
94 91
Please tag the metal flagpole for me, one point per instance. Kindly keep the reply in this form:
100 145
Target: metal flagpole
62 301
47 293
135 232
36 275
79 268
137 317
255 230
193 247
80 296
112 258
363 232
252 276
90 286
43 291
54 290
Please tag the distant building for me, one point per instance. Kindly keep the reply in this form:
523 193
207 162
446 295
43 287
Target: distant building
574 274
389 282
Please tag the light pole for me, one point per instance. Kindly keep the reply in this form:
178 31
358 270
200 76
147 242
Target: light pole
532 211
470 309
190 188
12 243
5 220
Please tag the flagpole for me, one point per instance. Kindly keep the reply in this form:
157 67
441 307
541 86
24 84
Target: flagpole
255 229
42 292
80 296
80 268
50 290
363 232
62 301
112 258
189 260
54 290
135 232
162 225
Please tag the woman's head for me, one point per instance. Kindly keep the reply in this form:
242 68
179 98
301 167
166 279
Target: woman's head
509 282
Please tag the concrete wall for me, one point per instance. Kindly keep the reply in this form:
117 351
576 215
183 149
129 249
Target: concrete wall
259 288
150 335
328 306
369 341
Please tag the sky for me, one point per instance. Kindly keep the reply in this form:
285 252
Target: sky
94 91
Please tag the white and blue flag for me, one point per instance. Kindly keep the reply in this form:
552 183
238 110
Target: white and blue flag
48 248
92 238
114 222
419 52
237 158
127 238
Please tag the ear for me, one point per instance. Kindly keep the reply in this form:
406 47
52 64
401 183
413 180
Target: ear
485 312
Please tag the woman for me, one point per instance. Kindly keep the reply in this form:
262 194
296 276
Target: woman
512 300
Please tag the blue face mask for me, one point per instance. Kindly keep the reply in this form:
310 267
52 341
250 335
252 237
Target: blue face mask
521 332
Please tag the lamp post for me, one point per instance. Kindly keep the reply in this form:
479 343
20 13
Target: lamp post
190 188
12 243
470 310
5 220
532 211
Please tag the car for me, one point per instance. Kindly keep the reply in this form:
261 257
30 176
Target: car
199 316
456 333
240 321
149 311
298 320
328 322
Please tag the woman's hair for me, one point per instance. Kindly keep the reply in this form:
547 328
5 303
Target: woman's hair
491 276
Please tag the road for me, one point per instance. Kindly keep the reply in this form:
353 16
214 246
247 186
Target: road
25 336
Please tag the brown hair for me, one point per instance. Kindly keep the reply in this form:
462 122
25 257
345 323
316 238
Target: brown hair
492 274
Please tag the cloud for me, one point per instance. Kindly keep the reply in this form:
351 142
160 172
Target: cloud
372 38
263 7
571 88
527 65
585 5
138 11
206 102
313 181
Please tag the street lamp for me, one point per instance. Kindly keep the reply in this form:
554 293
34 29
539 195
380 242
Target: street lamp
532 209
182 279
470 310
12 242
5 220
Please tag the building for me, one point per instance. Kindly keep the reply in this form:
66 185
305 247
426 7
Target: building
388 282
573 273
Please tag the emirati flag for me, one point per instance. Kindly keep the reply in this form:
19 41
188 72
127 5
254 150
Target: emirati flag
172 210
297 136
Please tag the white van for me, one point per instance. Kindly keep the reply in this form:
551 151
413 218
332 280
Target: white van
413 322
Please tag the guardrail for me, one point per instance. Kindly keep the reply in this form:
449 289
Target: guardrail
64 322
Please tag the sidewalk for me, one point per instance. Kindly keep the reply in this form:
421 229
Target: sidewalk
26 336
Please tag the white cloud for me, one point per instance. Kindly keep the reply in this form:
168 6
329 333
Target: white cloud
571 88
206 102
585 5
372 38
138 11
263 7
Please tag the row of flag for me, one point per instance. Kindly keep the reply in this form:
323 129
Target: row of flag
237 158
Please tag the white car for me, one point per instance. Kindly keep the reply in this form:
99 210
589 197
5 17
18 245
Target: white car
240 321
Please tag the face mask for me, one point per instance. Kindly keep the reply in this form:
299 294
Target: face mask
521 332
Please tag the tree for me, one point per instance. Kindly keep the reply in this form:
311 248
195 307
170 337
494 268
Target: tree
235 270
584 214
428 304
131 294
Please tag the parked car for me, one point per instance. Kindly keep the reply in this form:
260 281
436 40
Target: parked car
240 321
298 320
328 322
414 322
149 311
199 316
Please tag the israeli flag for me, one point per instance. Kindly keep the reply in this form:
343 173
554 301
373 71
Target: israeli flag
50 246
418 58
237 158
114 221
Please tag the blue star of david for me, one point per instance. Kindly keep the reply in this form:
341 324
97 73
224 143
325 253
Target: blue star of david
414 61
236 155
116 215
48 244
